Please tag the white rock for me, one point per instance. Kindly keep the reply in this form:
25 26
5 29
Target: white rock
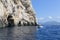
18 9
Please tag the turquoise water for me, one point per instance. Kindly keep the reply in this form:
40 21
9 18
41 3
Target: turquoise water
48 33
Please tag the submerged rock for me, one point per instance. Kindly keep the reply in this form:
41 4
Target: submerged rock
17 12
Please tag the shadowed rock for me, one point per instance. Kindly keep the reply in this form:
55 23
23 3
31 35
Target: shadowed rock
19 24
10 20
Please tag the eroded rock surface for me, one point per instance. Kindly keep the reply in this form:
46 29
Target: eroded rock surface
17 12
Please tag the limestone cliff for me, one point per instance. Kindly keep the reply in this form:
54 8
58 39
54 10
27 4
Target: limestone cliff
17 12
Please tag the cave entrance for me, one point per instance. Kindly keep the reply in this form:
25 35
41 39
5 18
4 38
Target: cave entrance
10 21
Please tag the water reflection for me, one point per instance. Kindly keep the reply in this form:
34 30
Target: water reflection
18 33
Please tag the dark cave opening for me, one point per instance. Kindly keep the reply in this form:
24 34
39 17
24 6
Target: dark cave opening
10 21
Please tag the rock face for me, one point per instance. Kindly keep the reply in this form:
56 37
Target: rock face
17 12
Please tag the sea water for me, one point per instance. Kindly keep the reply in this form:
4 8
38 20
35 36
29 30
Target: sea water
18 33
51 32
30 33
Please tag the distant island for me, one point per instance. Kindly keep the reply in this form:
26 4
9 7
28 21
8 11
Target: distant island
17 12
50 23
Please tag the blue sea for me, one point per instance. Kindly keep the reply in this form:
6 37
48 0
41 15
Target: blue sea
50 32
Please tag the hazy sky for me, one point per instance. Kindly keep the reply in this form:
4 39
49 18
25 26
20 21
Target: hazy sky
47 9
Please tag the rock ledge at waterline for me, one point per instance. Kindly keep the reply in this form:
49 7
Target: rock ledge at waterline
17 12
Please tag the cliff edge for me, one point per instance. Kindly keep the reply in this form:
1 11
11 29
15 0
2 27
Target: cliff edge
17 12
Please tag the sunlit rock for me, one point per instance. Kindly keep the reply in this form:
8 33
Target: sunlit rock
17 12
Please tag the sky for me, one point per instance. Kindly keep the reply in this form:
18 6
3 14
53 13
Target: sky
47 9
